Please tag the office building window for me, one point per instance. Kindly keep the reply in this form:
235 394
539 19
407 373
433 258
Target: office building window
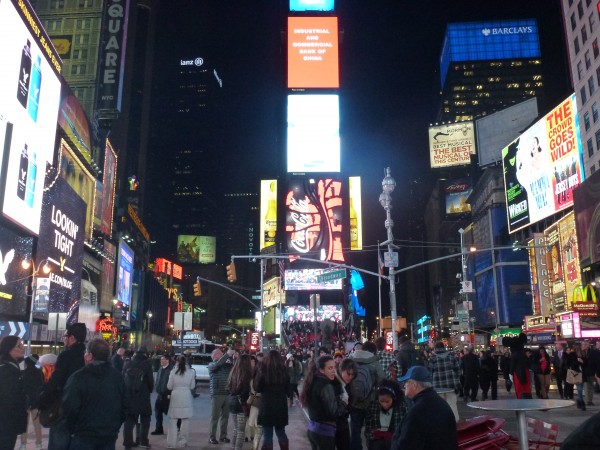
573 22
593 168
598 139
595 48
588 60
583 34
586 120
86 3
583 95
80 53
592 23
595 112
576 45
591 85
590 147
80 69
84 24
57 4
82 39
580 71
580 9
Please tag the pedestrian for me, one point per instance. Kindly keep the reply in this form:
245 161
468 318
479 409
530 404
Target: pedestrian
589 370
408 356
273 384
505 368
519 365
95 401
559 368
68 362
117 359
541 366
384 416
388 363
181 382
13 413
139 381
445 369
574 364
253 429
161 404
488 375
218 371
33 381
429 424
238 385
346 373
470 368
294 370
323 405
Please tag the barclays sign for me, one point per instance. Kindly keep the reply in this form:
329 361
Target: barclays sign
192 62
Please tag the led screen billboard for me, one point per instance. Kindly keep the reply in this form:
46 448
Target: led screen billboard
61 243
29 101
73 120
109 181
457 192
543 166
311 5
306 280
451 144
14 280
196 249
307 314
268 213
313 226
124 273
313 133
313 52
355 213
587 218
107 279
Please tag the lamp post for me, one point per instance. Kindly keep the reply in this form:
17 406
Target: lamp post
385 198
26 264
463 257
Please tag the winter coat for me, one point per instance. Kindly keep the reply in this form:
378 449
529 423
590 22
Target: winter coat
444 369
33 381
324 405
13 412
470 365
219 372
488 370
181 386
162 378
95 402
273 410
140 401
68 362
536 363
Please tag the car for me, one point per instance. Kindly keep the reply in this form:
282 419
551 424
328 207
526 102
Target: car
200 362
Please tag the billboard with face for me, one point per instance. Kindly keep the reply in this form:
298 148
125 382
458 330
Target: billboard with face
14 280
124 273
196 249
29 101
543 166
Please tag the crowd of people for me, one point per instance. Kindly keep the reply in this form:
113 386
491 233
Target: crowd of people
365 393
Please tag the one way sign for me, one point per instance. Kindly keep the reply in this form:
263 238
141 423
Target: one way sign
19 329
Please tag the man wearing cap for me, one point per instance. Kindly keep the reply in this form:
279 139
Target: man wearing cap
429 423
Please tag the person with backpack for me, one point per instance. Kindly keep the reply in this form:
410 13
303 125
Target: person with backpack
139 381
362 390
408 356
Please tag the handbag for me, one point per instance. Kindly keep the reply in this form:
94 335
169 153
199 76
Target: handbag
574 377
52 415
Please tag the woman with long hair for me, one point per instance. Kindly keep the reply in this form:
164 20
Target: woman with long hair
238 384
324 406
253 429
573 362
181 382
13 413
273 383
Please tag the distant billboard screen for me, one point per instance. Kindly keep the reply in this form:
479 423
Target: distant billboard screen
451 144
196 249
29 101
268 213
313 52
306 280
307 314
124 273
109 181
356 222
311 5
457 192
543 166
313 133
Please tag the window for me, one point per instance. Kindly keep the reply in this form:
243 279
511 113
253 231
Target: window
576 45
592 22
84 24
57 4
590 147
583 34
595 112
80 69
591 86
598 139
573 22
82 39
580 9
86 3
580 71
583 95
595 48
586 120
588 60
80 53
593 168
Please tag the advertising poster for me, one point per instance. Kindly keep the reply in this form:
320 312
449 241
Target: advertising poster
61 243
543 166
196 249
73 120
356 226
457 192
14 280
313 133
307 280
63 44
307 314
109 179
540 275
29 101
88 305
124 273
587 219
570 257
107 279
314 218
555 269
268 213
451 144
313 52
81 180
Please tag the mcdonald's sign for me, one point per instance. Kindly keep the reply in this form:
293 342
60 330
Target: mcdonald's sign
585 301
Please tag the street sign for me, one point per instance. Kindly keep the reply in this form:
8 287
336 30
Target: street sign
256 297
182 321
330 276
467 287
390 259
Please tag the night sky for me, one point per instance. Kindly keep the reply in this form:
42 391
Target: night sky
389 84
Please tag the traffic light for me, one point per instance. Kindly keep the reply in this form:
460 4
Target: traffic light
197 289
231 277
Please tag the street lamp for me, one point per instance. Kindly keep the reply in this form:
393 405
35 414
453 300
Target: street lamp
385 198
46 269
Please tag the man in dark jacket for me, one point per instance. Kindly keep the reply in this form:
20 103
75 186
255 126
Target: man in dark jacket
470 367
407 355
161 405
139 382
429 424
69 361
219 370
95 400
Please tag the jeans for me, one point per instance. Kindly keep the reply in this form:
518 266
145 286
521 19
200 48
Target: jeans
579 392
80 443
268 435
589 383
59 437
130 422
357 420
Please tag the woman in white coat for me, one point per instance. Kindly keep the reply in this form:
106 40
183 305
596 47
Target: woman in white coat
181 382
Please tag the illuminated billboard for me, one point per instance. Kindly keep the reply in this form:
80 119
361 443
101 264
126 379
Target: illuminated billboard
543 166
268 213
313 52
307 280
313 133
569 256
196 249
109 182
311 5
306 313
490 40
587 218
73 120
14 280
124 273
457 192
313 226
451 144
355 213
81 180
107 279
29 99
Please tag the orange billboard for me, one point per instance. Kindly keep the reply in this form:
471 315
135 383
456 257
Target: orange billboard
313 52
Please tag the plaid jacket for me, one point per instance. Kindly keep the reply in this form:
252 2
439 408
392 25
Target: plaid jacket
444 368
372 419
389 364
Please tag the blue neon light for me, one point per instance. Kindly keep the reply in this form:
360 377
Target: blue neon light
311 5
477 41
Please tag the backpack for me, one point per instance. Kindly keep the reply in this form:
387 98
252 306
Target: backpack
409 358
134 379
363 385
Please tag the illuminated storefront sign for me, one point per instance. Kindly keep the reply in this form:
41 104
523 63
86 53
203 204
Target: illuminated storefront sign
585 301
314 218
451 144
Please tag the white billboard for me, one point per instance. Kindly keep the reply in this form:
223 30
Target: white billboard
451 144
